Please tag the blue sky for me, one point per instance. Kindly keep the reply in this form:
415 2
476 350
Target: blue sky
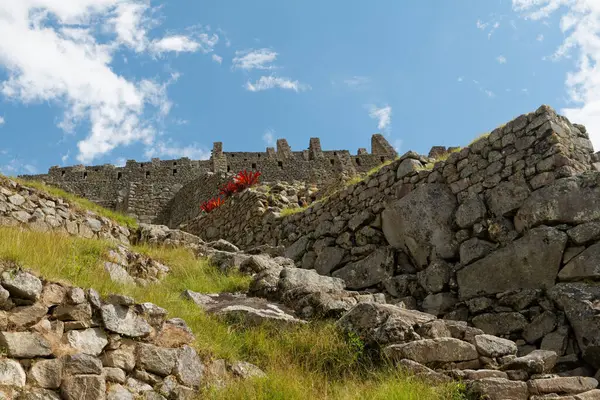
103 81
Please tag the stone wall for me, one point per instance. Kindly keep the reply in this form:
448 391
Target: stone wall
502 234
24 206
146 189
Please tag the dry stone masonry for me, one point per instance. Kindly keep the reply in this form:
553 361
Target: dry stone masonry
503 234
169 192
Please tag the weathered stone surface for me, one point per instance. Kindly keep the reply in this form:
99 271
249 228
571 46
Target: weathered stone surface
11 373
46 373
88 341
369 271
22 284
562 385
328 259
580 304
189 369
114 375
500 323
383 323
123 357
246 370
81 364
586 265
470 212
499 389
296 282
531 262
473 249
540 326
428 351
124 320
83 387
493 346
435 277
156 359
37 394
507 197
584 233
118 392
25 344
536 362
420 223
572 200
439 303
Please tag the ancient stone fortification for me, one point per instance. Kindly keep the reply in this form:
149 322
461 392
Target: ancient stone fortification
147 190
503 234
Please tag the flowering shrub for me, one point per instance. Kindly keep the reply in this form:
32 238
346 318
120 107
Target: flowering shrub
241 181
246 179
210 205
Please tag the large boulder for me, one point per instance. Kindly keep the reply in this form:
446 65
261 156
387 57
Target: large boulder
421 222
369 271
433 351
381 324
572 200
531 262
580 302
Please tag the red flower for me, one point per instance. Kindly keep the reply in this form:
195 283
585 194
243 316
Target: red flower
210 205
246 179
228 189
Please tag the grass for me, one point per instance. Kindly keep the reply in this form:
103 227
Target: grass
478 138
291 211
80 203
304 362
377 168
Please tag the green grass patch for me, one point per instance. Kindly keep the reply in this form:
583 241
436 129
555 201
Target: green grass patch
81 203
478 138
303 362
291 211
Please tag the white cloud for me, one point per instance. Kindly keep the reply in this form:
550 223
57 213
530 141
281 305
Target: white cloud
580 25
501 59
65 157
16 167
460 79
271 82
357 82
383 116
216 58
120 162
254 59
2 120
540 38
492 24
77 40
269 137
193 152
481 25
397 145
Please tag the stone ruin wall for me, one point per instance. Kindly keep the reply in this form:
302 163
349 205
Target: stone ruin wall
479 237
147 190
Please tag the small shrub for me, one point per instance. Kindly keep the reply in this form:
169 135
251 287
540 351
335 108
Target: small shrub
229 189
210 205
245 179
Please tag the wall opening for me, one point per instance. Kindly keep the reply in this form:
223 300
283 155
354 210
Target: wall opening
253 165
119 176
174 171
280 164
245 159
228 168
358 161
62 173
332 161
382 158
96 170
85 175
147 174
174 163
335 153
142 165
258 155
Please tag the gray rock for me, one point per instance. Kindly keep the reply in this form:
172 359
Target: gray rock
297 250
408 166
562 385
369 271
531 262
474 249
118 392
329 259
383 323
246 370
539 327
116 375
123 357
470 212
500 323
36 394
493 346
499 389
584 233
11 373
46 373
158 360
81 364
83 387
25 344
431 351
435 277
579 302
124 320
556 341
439 303
572 200
118 274
536 362
421 222
584 266
507 197
296 282
22 284
189 369
88 341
